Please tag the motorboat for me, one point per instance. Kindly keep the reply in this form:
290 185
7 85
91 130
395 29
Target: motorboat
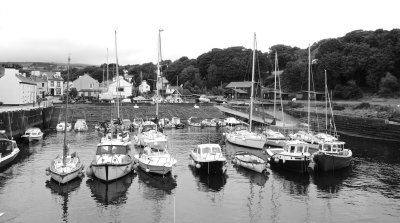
251 162
165 123
60 127
137 122
155 160
68 166
231 122
150 136
126 124
112 160
33 134
208 158
208 122
8 149
80 125
177 123
241 136
194 121
306 136
294 157
274 138
204 99
331 155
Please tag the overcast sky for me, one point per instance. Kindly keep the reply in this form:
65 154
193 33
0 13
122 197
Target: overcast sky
49 30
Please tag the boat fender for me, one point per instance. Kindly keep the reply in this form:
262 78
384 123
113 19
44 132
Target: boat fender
198 166
135 167
268 165
234 161
89 171
265 172
276 159
47 171
147 170
283 159
81 175
312 166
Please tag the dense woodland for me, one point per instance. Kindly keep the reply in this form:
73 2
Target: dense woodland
357 63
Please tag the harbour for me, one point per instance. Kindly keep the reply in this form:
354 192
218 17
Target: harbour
366 191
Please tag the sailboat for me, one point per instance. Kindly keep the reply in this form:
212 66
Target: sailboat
245 137
8 148
331 154
155 157
67 167
112 160
275 138
307 136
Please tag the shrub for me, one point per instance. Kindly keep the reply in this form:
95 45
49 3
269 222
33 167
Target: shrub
364 105
349 91
338 107
292 104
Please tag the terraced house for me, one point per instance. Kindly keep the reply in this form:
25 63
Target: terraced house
54 83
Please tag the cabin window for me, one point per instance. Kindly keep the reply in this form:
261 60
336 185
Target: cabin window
305 149
111 150
216 150
292 149
327 148
206 150
299 148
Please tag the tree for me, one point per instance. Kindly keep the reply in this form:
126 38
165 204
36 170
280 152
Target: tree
388 85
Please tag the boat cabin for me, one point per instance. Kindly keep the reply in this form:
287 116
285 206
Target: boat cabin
332 147
6 146
207 149
112 149
296 147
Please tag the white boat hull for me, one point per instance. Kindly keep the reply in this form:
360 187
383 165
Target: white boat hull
250 161
111 172
65 178
254 142
4 160
258 167
61 173
152 164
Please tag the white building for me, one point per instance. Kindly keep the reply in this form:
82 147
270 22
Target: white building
124 88
16 89
55 83
144 87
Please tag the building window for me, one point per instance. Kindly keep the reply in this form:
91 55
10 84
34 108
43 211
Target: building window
51 83
42 84
91 86
58 91
58 84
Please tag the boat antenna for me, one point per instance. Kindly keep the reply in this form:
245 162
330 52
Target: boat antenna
116 67
65 148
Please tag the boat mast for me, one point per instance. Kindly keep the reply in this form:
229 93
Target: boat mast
65 148
309 73
326 104
158 68
252 82
276 64
107 70
116 57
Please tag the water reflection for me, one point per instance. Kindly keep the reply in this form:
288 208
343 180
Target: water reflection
63 192
331 182
112 193
209 182
254 177
293 183
157 185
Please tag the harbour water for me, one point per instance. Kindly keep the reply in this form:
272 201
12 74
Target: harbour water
368 191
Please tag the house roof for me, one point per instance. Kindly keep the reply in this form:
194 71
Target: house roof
90 90
38 78
243 84
240 91
25 80
184 92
